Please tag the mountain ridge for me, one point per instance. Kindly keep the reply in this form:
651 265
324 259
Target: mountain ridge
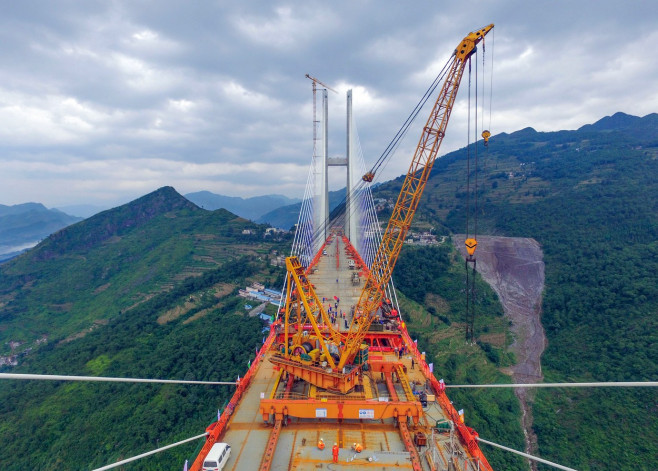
24 225
114 260
115 221
589 197
249 208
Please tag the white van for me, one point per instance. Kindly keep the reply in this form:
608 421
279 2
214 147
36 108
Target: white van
217 457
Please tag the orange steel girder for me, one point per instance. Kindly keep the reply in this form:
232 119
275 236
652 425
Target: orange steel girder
412 189
408 443
332 381
340 409
268 456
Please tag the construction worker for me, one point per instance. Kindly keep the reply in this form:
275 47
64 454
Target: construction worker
334 452
321 444
357 447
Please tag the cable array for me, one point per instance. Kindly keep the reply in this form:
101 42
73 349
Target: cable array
22 376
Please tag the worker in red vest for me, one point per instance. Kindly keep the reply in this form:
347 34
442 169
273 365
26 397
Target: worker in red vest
321 444
334 452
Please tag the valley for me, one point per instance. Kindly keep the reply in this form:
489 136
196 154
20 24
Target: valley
587 197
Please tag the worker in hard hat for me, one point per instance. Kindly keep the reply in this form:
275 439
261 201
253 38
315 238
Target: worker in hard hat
357 447
321 444
334 452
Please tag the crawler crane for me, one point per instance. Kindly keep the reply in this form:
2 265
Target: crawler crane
340 349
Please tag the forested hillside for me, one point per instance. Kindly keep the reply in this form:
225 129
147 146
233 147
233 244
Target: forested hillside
105 266
432 280
148 289
590 198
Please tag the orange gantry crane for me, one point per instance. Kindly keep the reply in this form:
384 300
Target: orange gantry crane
340 349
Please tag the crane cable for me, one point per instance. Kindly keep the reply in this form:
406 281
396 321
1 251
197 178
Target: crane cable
395 142
471 242
525 455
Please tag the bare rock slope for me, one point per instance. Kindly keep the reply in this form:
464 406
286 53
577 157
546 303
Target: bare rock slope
514 268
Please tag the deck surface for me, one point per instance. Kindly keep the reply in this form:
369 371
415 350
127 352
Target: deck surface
296 448
335 279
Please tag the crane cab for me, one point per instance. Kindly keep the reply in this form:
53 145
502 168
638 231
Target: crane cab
217 457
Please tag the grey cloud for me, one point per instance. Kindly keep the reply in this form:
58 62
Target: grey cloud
124 85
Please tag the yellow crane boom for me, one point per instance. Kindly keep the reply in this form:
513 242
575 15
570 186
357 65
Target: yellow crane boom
412 189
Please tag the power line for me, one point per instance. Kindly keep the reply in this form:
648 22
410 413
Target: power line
609 384
105 379
149 453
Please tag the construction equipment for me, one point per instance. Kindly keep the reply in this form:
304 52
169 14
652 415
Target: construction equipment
316 82
409 198
486 135
393 238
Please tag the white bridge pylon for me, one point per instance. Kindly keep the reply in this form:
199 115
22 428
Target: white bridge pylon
355 214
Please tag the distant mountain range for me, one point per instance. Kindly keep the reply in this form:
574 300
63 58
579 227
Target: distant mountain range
285 217
249 208
82 210
22 226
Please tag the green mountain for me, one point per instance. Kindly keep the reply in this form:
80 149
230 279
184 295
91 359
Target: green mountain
590 198
148 289
23 225
249 208
286 216
105 266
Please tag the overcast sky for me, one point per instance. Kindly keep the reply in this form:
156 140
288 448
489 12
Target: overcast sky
104 101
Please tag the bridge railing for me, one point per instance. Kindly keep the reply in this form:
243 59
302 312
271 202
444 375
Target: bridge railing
467 435
216 429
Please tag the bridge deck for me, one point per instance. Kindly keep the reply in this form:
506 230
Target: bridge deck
296 449
333 277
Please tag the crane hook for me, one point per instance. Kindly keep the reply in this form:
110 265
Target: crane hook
471 244
486 134
368 177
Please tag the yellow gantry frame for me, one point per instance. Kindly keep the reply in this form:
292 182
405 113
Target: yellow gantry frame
407 203
308 307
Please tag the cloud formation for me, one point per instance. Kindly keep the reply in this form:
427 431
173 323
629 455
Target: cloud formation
101 102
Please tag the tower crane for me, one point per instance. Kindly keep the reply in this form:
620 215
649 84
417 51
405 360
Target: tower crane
398 226
316 82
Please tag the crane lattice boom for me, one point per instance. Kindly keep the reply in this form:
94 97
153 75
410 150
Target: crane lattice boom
412 189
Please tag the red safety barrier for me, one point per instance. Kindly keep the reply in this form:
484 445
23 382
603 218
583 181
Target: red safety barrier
467 435
357 258
316 259
216 429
